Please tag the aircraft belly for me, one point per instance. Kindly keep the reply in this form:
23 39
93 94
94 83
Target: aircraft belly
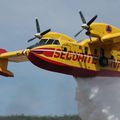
55 66
48 61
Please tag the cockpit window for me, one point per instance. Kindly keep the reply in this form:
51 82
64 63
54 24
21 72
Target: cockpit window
42 42
56 42
50 41
45 42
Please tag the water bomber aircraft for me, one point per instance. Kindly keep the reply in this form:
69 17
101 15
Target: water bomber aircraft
99 55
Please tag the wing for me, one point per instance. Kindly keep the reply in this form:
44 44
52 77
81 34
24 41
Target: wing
15 56
109 39
114 38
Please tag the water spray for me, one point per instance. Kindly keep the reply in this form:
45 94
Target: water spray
98 98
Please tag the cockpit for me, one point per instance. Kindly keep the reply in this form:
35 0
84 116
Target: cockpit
45 42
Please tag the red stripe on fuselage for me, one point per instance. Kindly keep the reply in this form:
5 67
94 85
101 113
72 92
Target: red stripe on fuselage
45 51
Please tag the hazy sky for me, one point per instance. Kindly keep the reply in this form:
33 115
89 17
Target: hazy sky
33 90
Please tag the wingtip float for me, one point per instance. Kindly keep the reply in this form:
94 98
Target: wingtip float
97 56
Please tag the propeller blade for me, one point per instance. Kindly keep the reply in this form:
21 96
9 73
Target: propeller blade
82 17
45 32
31 39
37 26
78 33
38 34
86 25
92 20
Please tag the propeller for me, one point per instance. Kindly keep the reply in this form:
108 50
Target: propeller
86 25
37 25
39 33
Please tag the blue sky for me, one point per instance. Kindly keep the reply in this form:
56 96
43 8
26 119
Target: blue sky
34 91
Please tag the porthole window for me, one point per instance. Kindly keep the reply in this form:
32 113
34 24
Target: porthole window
86 50
65 49
80 47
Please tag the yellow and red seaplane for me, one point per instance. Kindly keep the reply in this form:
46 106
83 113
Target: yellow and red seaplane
97 56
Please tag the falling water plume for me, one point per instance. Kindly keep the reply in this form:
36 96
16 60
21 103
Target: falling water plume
98 98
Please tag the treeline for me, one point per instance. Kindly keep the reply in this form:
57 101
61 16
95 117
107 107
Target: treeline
22 117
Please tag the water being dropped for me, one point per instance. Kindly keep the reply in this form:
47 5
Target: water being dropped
98 98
